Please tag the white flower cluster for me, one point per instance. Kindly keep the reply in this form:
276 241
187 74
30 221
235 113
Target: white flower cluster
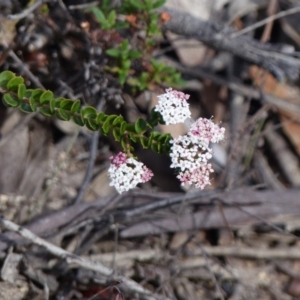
127 173
173 107
187 155
190 153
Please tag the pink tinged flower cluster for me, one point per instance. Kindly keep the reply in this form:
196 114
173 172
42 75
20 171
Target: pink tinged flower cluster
205 131
126 173
173 106
190 153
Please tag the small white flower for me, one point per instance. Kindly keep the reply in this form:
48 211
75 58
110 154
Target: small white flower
173 107
126 173
190 153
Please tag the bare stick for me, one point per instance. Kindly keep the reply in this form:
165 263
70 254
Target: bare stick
252 253
242 89
265 21
32 77
71 258
28 11
93 154
231 251
83 6
214 279
89 172
219 37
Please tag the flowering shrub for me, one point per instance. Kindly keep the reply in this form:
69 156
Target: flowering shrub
126 173
190 154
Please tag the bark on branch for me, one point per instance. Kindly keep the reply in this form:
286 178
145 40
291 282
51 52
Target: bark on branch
222 38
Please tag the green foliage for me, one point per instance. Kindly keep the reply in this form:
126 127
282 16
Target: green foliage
5 77
15 94
107 20
145 10
147 20
159 74
124 55
135 6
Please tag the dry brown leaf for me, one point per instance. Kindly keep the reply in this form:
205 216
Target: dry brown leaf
269 85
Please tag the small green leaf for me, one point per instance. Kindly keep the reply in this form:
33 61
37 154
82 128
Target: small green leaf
13 84
101 117
66 104
137 4
78 120
62 114
108 122
26 108
76 106
130 127
32 103
113 52
126 64
55 103
46 97
99 15
45 110
118 120
133 136
105 127
37 93
111 19
154 147
91 124
144 142
158 4
123 127
148 4
134 54
124 46
10 100
28 93
163 137
117 134
89 112
21 91
5 77
124 144
122 77
140 125
154 135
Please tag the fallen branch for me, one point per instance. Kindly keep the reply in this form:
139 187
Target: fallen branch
233 251
219 37
28 11
252 253
239 88
71 258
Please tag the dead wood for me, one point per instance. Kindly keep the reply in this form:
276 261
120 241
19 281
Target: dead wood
70 258
240 208
218 36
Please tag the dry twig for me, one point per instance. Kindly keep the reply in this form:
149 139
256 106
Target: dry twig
28 11
265 21
218 36
71 258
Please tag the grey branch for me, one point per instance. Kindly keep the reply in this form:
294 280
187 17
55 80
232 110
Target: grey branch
27 11
73 259
218 36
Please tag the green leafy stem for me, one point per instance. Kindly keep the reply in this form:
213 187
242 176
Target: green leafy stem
16 94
